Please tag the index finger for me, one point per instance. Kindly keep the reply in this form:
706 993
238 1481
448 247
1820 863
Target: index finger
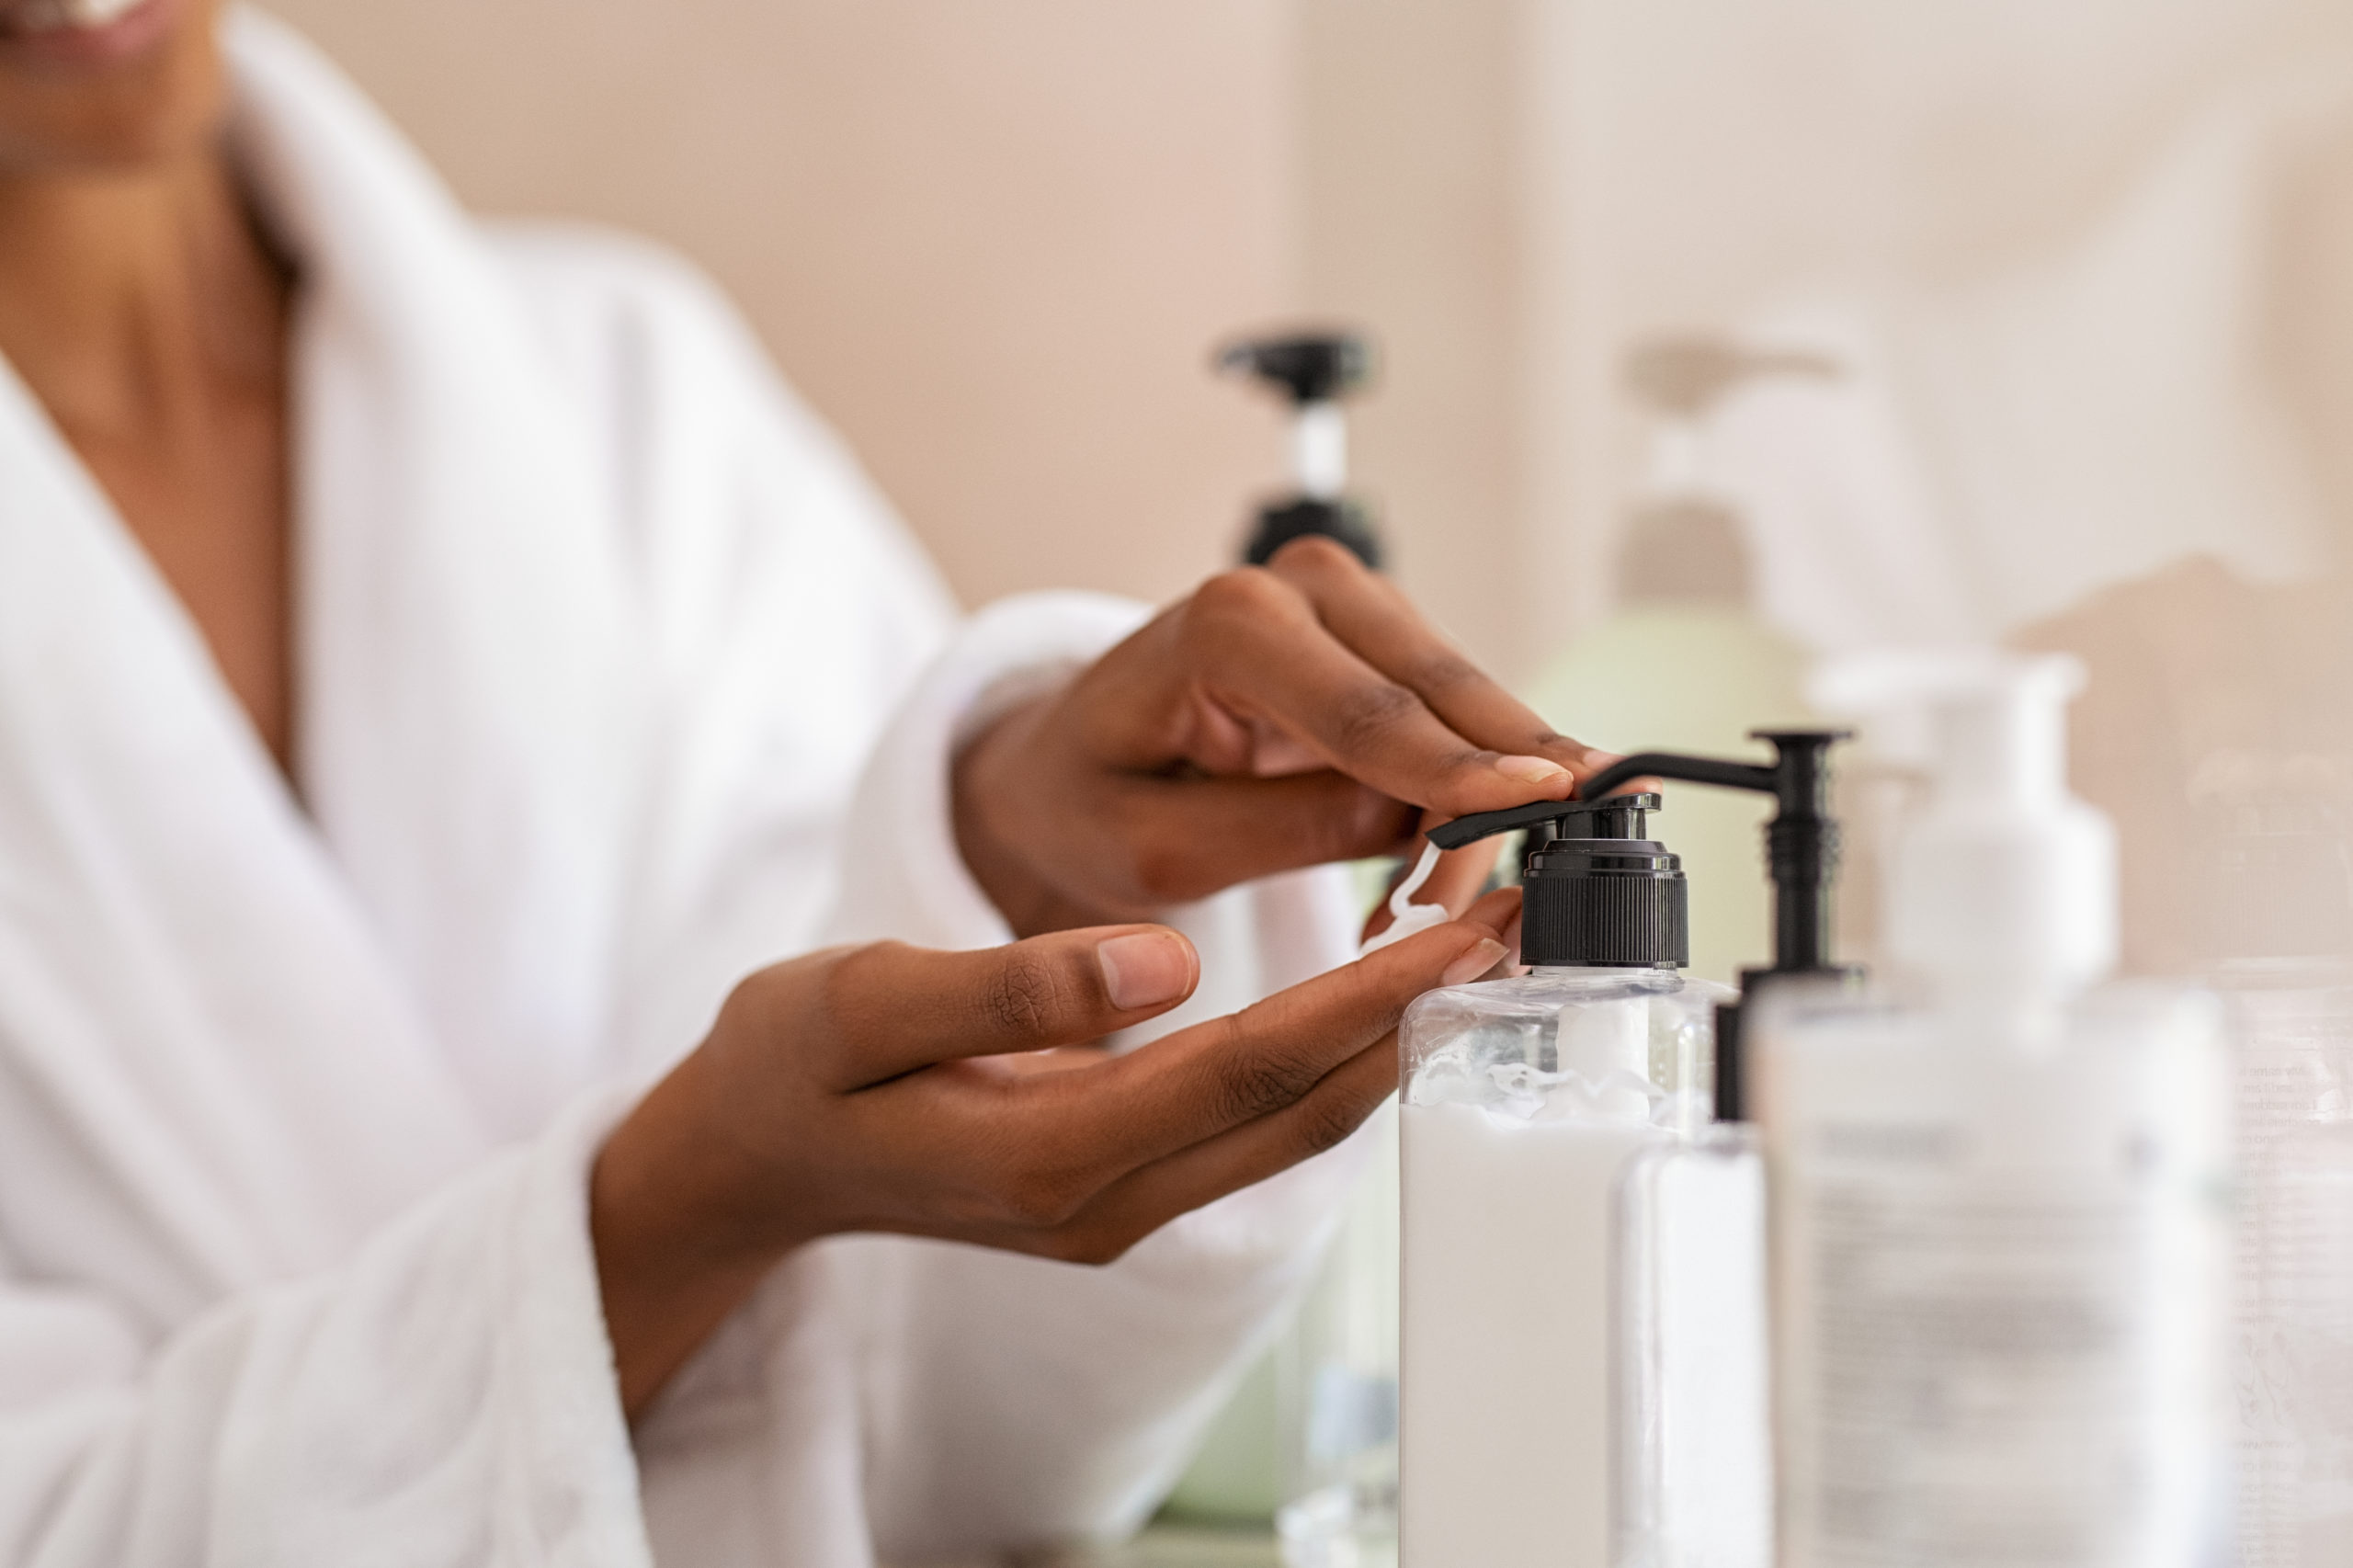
1368 614
1257 647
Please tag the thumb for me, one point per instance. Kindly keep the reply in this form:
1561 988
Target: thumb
897 1009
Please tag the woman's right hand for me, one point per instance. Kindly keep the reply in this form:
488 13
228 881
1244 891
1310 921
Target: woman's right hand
888 1089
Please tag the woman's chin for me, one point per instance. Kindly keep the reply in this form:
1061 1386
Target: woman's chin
131 91
82 36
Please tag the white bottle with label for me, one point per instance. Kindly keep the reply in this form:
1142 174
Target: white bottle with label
1998 1195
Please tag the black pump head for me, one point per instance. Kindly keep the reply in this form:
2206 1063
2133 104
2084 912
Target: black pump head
1602 894
1310 366
1801 852
1802 841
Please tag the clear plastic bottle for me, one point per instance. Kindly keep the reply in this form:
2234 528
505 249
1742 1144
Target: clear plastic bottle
1693 1473
1522 1101
1999 1196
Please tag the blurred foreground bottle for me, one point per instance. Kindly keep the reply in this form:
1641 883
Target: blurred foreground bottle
1684 662
1998 1192
2282 929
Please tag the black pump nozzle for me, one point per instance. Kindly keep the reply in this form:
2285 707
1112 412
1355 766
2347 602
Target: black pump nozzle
1310 366
1801 854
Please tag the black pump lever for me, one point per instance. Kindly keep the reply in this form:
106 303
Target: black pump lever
1800 843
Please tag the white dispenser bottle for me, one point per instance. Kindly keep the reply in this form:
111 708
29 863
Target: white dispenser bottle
1522 1101
1998 1233
1525 1102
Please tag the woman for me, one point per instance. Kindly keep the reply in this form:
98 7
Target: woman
438 665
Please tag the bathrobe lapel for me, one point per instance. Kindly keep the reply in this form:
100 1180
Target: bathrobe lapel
474 712
199 1004
260 1031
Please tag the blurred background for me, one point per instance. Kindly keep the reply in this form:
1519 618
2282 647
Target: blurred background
2082 277
994 244
1716 340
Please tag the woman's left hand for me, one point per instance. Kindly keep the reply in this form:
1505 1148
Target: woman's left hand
1279 717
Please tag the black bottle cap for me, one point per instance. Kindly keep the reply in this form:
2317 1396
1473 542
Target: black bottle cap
1345 519
1601 894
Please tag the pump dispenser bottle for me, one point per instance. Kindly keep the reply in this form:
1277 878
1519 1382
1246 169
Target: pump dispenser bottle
1684 659
1523 1101
1998 1194
1315 370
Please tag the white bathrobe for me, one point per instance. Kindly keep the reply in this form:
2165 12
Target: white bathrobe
617 681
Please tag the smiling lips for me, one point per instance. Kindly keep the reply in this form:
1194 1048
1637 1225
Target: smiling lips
27 16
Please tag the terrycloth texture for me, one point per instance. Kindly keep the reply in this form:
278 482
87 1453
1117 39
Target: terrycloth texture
598 628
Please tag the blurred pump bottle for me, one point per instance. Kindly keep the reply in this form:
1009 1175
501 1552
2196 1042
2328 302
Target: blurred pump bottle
1684 662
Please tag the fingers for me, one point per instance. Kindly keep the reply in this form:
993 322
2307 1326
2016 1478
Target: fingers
1088 1128
1258 645
1140 1202
1499 912
1124 1212
1188 838
894 1009
1335 656
1368 614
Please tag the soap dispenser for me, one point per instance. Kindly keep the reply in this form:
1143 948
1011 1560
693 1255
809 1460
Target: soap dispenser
1684 659
1999 1191
1692 1456
1523 1102
1314 371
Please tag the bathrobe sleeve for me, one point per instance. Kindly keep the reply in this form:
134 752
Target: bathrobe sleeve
443 1398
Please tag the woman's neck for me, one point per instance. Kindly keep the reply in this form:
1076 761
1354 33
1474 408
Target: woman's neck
122 294
147 313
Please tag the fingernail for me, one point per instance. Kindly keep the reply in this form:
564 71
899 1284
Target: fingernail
1144 970
1473 963
1530 769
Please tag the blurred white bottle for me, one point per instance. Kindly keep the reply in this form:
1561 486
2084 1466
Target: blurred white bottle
2280 906
1998 1226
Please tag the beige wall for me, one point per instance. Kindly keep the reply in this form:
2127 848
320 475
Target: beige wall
993 242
